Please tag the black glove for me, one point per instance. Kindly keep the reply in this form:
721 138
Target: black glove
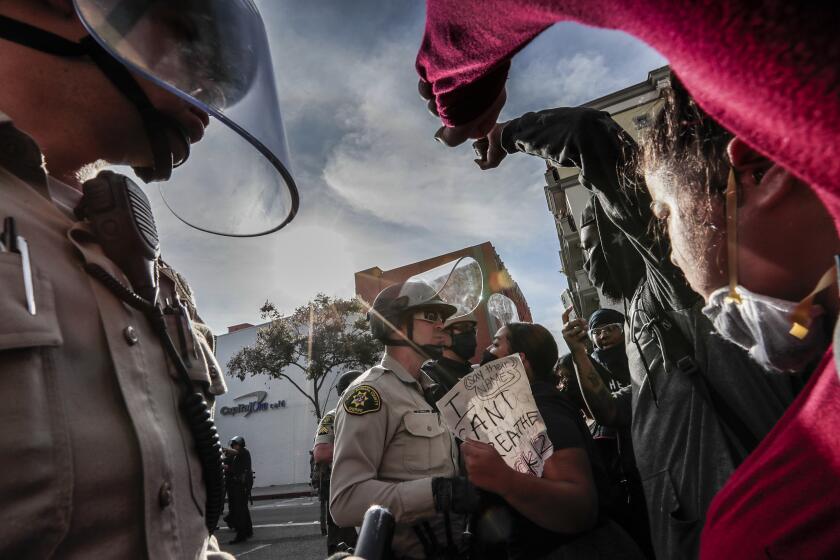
455 494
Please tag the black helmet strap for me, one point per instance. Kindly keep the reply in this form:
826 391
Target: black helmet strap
155 122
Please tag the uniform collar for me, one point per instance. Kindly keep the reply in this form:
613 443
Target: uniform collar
393 365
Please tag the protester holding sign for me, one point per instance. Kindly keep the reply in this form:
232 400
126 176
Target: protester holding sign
559 512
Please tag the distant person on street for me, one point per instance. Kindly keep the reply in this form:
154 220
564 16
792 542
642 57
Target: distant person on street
240 479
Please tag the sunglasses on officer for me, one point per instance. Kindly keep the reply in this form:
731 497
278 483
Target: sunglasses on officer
606 329
429 315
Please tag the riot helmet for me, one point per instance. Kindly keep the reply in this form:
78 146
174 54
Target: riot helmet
345 380
396 303
239 440
214 55
448 289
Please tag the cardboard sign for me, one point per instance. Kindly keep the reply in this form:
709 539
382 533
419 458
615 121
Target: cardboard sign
494 404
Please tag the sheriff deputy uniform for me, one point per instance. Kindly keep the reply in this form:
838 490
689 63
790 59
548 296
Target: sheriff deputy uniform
393 449
90 398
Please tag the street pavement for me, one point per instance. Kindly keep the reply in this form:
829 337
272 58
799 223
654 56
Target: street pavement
285 528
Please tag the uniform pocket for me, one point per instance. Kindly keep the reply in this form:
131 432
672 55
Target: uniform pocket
36 483
425 427
18 328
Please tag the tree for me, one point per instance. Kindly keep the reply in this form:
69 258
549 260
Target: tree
326 334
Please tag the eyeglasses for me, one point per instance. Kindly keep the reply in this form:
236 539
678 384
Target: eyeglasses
429 316
606 329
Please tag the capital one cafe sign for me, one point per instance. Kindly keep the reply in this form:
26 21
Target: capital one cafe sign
255 404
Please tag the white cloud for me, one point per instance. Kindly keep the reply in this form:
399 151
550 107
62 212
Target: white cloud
389 165
376 190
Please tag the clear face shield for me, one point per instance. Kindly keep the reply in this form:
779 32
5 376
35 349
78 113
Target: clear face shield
214 55
459 282
501 310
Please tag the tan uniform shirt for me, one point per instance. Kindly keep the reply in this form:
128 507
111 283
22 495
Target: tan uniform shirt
326 429
99 461
389 443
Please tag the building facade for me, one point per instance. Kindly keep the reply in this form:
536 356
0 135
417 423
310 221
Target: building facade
276 420
566 198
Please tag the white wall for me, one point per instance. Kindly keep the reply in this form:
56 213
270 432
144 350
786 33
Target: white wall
279 438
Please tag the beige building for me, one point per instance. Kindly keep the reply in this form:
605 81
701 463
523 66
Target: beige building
630 107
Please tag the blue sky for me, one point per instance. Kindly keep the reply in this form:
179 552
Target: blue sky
376 189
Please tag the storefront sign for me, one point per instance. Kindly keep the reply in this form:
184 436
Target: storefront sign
257 404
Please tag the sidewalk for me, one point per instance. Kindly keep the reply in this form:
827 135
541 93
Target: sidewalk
282 491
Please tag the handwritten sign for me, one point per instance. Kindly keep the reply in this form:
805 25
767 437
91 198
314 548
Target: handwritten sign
494 404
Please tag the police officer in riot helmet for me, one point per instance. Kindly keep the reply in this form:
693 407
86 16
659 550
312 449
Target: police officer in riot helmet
322 454
460 348
239 480
98 317
392 448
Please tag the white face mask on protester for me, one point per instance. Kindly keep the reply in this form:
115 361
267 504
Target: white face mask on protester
761 325
782 336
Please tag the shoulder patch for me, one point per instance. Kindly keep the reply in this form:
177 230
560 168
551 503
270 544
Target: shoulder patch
326 424
362 400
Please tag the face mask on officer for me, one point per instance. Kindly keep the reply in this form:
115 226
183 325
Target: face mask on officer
782 336
464 343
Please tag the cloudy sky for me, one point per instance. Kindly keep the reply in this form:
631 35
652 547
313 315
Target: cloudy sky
376 189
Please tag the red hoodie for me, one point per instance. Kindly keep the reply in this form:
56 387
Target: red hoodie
770 72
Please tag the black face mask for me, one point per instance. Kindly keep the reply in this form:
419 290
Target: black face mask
464 344
487 357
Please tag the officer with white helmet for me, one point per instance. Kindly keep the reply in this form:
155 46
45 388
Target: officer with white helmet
392 447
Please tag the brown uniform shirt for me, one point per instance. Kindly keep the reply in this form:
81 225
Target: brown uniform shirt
326 429
99 461
389 443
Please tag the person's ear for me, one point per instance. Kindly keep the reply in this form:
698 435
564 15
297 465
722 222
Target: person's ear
763 183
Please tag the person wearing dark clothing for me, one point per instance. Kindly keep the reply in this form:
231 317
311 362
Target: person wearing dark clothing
239 481
606 330
697 404
557 515
488 526
454 363
614 443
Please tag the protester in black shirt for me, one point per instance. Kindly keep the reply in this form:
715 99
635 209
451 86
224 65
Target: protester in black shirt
626 498
606 330
557 515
